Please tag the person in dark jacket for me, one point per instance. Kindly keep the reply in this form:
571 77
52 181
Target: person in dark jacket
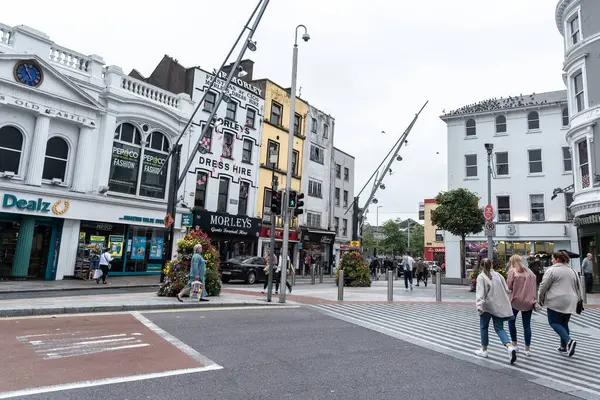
374 266
535 265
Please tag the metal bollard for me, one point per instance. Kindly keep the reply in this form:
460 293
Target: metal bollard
438 285
390 282
293 279
321 273
341 285
582 286
312 274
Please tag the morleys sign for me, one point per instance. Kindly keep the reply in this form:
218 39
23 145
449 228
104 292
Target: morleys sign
226 224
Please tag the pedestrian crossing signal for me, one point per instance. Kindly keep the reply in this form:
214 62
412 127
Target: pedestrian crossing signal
292 199
299 203
276 203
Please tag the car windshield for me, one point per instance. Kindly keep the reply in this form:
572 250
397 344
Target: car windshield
239 259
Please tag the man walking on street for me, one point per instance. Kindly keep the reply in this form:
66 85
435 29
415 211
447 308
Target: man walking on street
408 262
587 267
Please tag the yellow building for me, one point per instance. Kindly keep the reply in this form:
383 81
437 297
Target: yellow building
434 246
275 130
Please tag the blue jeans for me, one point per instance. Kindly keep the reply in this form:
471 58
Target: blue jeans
94 264
484 322
560 323
526 317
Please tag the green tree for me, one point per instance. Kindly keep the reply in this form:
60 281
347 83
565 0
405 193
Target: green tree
395 241
458 212
369 242
417 239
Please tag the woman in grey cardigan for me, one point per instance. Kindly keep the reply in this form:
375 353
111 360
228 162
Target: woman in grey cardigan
560 292
493 304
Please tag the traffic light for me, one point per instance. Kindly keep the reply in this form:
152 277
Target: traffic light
299 203
292 199
276 203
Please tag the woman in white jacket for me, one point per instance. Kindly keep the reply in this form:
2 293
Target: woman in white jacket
493 304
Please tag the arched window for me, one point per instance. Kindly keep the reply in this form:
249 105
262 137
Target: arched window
500 124
154 177
55 163
533 121
11 147
125 163
565 117
471 127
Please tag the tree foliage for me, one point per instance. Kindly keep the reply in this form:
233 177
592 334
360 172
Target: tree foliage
458 212
395 241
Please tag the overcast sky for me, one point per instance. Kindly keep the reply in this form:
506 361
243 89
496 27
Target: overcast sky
370 64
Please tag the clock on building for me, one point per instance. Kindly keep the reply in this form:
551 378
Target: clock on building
29 73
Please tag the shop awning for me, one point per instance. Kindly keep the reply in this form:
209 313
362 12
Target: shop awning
320 232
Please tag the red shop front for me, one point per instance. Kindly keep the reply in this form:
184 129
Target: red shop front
265 239
437 254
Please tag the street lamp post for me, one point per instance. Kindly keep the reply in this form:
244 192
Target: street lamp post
489 147
288 182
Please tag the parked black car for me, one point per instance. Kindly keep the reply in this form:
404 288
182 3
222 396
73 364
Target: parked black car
249 269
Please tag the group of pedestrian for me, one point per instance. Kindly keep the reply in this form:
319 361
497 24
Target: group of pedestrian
100 263
278 264
498 301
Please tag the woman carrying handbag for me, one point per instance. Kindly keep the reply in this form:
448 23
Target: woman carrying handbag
560 293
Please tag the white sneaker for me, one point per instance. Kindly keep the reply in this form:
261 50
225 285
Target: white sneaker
481 353
527 353
512 354
406 290
571 348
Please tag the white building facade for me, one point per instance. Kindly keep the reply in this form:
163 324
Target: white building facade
81 151
579 24
343 196
318 177
530 160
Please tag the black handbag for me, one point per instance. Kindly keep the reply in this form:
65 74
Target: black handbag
579 308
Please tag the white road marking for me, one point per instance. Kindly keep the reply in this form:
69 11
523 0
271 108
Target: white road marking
85 352
108 381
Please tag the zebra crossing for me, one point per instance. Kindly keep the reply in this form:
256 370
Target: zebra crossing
454 330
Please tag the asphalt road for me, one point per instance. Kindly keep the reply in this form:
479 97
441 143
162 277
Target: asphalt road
41 294
300 353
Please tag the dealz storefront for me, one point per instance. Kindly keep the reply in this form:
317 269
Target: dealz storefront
49 237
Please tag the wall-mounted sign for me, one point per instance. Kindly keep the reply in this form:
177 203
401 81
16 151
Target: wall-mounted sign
115 244
138 248
154 178
265 232
226 224
354 244
10 201
225 166
124 167
52 112
156 248
587 220
187 220
141 219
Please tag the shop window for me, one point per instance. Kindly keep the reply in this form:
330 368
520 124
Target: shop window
154 170
503 208
537 207
200 197
55 162
250 117
106 236
243 198
223 195
127 151
227 145
11 147
247 151
144 249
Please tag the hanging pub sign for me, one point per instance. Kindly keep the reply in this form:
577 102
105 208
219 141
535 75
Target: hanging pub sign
214 223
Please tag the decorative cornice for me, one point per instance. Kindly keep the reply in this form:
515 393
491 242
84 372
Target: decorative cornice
560 13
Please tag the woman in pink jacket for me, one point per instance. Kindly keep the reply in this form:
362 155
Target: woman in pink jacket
523 298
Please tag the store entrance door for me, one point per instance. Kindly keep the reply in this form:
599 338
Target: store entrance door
40 248
40 251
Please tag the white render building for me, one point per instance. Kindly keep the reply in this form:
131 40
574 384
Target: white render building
223 179
530 159
343 186
578 21
81 146
318 175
